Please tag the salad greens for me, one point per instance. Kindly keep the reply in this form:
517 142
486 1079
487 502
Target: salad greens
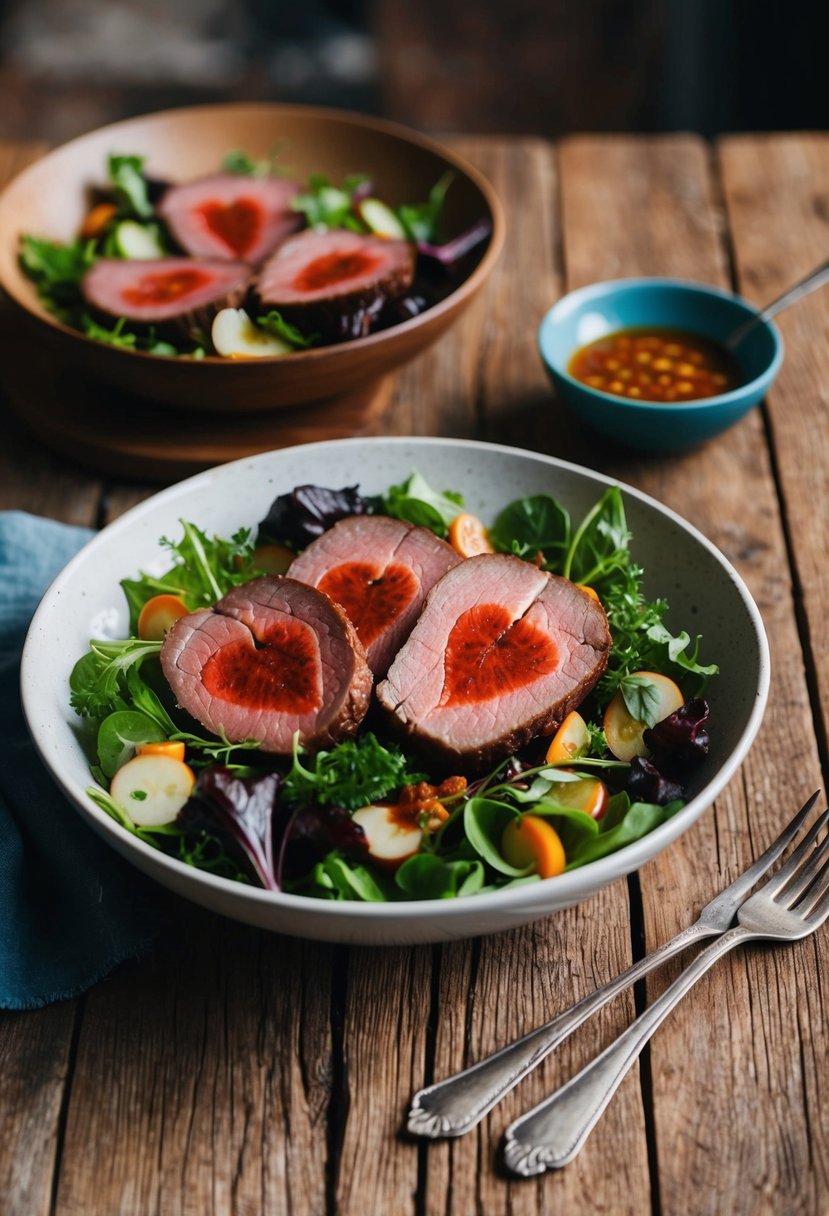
127 225
301 823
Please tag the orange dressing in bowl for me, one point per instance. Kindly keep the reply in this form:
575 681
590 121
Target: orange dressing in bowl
655 364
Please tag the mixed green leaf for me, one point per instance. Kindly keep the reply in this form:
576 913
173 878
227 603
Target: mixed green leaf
294 825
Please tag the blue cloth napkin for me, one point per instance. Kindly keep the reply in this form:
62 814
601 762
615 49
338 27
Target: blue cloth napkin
70 908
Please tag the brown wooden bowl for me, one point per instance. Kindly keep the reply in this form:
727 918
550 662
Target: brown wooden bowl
49 199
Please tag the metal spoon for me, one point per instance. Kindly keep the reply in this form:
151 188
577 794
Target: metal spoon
816 278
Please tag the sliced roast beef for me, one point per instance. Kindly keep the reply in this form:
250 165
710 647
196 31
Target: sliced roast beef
335 283
154 291
380 571
501 653
231 216
272 657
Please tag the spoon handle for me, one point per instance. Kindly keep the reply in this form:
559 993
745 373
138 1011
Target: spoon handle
816 278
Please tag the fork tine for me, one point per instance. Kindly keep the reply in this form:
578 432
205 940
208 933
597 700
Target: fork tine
778 881
802 879
818 888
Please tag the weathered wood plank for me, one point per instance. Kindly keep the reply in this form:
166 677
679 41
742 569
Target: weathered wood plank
34 1065
776 190
203 1078
729 1133
31 479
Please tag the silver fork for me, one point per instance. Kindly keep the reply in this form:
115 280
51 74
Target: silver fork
790 905
455 1105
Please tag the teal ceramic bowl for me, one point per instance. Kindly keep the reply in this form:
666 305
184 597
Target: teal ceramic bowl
592 312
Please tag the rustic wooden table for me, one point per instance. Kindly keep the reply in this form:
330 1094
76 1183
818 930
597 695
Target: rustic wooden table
238 1072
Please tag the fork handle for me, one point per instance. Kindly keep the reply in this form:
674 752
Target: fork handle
455 1105
552 1133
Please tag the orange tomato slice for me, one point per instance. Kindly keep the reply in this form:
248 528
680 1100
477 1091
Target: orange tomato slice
588 794
158 615
468 536
97 220
572 739
532 841
173 748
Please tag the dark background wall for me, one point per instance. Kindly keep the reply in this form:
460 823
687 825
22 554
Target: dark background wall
546 66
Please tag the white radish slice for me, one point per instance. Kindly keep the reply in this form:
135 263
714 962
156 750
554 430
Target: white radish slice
624 732
151 790
390 840
236 337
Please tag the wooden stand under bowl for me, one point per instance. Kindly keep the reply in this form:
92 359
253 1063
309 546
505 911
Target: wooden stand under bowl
123 436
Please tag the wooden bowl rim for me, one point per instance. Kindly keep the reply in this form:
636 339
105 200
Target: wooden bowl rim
333 114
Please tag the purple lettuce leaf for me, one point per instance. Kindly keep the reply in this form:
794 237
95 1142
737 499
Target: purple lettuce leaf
311 833
241 812
645 783
449 254
681 740
297 518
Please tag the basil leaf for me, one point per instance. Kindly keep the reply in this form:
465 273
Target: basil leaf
426 876
274 323
348 881
600 544
422 220
127 177
677 647
484 821
415 501
120 733
641 696
532 525
640 819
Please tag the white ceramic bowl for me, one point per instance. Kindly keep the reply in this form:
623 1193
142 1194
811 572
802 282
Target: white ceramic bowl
85 601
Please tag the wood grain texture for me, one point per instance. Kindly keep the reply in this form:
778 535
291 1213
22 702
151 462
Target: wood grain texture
778 232
729 1049
203 1078
487 371
35 1054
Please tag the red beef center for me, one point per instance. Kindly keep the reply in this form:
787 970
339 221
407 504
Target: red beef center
238 224
372 598
164 286
334 268
281 675
488 654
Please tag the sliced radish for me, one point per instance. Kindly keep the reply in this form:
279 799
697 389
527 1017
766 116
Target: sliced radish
138 241
572 739
380 218
390 836
533 842
624 732
236 337
151 790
